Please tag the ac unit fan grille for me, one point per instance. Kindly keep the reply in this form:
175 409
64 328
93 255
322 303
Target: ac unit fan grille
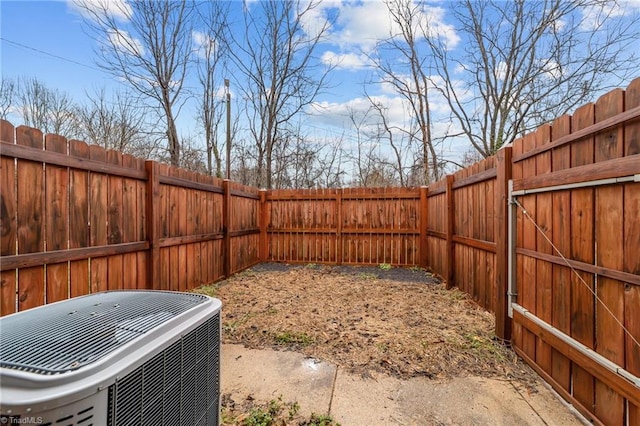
63 337
178 386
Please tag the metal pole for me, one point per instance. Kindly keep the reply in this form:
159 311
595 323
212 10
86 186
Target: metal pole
512 289
226 86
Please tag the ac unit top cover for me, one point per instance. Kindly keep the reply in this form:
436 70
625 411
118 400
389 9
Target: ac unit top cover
70 349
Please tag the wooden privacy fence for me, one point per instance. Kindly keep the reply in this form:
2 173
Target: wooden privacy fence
78 219
576 189
345 226
555 256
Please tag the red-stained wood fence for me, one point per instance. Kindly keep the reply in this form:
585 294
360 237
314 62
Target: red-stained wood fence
344 226
77 219
576 184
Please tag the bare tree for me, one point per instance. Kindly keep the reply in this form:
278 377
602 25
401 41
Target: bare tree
330 164
399 144
148 44
49 110
282 76
8 92
118 122
524 63
363 157
402 63
210 57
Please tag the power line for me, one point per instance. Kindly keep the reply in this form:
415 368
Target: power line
24 46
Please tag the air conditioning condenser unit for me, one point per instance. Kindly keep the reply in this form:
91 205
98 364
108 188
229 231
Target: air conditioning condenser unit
113 358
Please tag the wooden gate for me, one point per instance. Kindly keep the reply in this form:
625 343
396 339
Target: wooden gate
574 284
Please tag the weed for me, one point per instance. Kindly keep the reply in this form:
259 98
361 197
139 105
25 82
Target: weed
230 327
367 276
289 338
209 290
226 416
320 420
264 416
385 266
312 266
248 273
258 417
483 345
293 410
457 294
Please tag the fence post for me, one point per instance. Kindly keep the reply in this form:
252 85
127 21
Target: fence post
424 224
226 224
264 224
153 226
339 245
504 167
450 218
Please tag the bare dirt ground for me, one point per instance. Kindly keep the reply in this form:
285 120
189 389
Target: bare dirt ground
401 322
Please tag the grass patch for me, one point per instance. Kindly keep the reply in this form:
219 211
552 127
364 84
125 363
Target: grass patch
367 276
273 413
291 338
484 346
456 294
319 420
385 266
208 290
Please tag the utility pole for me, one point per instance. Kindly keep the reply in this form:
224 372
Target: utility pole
226 89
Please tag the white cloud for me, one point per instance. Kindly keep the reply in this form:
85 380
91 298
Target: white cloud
460 68
316 16
349 61
122 40
433 19
339 114
117 9
595 15
360 25
551 69
203 44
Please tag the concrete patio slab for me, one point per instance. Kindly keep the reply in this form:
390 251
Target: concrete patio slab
269 374
322 388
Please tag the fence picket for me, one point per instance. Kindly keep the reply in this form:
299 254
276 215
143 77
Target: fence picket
56 220
561 237
8 207
79 221
631 243
30 220
582 249
609 204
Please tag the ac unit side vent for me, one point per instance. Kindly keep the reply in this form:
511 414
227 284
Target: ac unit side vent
112 319
178 386
81 418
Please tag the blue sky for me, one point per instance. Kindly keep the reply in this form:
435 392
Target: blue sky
46 40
